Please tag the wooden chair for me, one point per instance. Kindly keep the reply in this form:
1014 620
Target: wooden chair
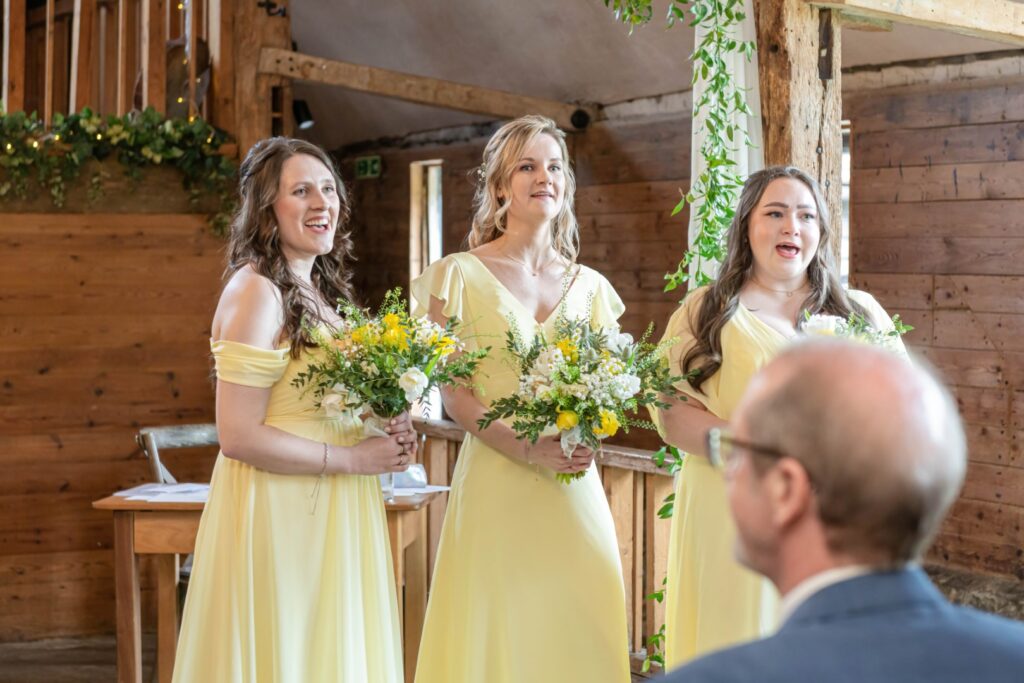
152 439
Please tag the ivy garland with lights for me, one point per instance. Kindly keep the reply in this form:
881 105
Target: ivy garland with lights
55 156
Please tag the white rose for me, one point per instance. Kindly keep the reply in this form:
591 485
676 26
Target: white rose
618 341
823 325
413 382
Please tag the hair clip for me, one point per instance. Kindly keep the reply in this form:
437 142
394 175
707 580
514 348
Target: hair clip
481 175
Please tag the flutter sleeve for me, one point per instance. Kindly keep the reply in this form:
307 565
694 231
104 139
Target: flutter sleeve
247 365
442 280
607 306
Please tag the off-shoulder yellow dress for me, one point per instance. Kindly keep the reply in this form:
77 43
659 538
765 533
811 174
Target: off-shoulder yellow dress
528 582
711 600
288 588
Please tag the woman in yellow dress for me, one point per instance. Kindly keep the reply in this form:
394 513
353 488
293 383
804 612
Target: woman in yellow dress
780 262
292 580
528 582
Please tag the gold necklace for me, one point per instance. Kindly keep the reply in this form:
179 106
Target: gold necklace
789 293
526 265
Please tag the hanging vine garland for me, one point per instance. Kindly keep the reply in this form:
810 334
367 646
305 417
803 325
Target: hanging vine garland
715 191
138 140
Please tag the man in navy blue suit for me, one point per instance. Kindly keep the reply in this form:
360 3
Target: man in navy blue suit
842 462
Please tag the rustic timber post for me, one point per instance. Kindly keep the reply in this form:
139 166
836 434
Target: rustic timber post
255 29
798 60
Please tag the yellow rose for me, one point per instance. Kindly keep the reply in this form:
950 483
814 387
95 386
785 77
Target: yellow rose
392 321
609 424
566 420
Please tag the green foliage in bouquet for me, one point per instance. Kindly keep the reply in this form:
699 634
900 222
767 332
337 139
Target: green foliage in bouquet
855 327
586 382
384 362
137 140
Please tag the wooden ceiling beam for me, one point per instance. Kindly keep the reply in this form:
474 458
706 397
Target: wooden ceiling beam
998 20
419 89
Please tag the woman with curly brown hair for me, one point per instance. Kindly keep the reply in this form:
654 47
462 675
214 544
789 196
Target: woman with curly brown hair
780 262
292 578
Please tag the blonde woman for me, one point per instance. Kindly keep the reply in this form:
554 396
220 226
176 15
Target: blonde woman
528 582
779 263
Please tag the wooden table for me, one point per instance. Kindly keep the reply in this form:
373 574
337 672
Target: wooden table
168 530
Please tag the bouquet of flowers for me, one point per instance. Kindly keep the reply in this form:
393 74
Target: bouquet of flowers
584 382
381 364
855 327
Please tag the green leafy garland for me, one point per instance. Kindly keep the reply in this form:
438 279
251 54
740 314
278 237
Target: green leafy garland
138 139
715 191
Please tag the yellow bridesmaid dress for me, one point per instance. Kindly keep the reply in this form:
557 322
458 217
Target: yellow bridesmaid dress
711 600
288 587
528 585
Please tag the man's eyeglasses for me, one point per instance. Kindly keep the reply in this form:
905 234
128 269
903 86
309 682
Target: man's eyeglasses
723 448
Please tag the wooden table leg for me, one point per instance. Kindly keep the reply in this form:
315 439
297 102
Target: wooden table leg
415 589
126 577
166 615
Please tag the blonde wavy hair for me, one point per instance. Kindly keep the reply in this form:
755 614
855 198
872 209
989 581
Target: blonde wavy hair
494 180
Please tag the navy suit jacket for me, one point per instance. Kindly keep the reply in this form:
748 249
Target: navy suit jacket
885 627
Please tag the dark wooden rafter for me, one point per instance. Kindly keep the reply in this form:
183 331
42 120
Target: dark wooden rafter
419 89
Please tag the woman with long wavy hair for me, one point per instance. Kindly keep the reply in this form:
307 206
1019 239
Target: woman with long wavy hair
780 263
528 583
292 580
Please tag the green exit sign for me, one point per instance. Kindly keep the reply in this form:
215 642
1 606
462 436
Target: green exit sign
368 167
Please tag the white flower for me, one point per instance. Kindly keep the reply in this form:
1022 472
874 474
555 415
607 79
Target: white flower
333 405
623 387
548 360
823 325
618 341
413 382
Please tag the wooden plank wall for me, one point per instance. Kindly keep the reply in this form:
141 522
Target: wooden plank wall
937 210
105 326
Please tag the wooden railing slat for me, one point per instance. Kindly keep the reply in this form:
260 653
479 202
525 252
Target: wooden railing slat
154 55
49 64
14 55
83 55
191 16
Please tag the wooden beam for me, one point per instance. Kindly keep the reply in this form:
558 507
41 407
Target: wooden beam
48 65
798 60
419 89
154 55
861 23
14 56
998 20
83 56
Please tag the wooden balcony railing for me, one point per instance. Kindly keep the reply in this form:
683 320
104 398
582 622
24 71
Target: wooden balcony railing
110 55
636 489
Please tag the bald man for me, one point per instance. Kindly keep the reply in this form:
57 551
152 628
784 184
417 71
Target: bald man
842 462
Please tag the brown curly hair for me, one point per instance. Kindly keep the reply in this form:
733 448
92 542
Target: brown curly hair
255 240
722 297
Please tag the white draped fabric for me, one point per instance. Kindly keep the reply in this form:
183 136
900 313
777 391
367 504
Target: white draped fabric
748 159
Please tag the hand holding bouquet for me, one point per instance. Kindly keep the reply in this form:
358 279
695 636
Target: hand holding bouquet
384 363
584 382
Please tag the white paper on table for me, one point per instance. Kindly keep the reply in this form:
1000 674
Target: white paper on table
429 488
168 493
